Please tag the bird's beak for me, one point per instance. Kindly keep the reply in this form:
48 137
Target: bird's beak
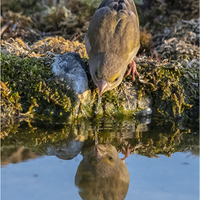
101 87
97 153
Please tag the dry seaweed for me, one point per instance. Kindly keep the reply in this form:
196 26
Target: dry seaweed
57 45
182 41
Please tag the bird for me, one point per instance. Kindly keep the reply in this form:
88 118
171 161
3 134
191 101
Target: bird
112 41
102 174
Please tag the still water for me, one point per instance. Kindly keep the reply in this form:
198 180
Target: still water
43 160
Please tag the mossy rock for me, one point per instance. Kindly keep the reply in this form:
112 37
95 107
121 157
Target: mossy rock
168 88
33 80
173 88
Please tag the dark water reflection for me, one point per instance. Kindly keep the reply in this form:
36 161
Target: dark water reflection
106 177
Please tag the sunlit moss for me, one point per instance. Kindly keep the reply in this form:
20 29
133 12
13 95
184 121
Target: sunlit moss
168 85
31 79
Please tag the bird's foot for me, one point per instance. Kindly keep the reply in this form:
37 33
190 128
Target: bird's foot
126 151
133 68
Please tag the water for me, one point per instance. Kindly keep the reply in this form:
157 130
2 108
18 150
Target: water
98 107
40 159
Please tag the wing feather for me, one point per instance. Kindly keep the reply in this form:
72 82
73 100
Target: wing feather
114 29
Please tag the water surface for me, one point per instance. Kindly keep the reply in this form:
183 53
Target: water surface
40 159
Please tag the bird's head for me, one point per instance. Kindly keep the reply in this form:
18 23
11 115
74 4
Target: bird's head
102 173
107 71
104 160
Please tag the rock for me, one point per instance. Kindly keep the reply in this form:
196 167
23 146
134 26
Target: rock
66 151
69 66
146 111
131 101
146 120
144 102
67 148
129 96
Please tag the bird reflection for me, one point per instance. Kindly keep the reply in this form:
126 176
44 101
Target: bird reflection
102 174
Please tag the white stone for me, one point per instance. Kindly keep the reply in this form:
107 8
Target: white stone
146 111
70 67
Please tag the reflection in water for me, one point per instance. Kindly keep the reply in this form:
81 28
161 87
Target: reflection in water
67 140
66 150
16 155
102 174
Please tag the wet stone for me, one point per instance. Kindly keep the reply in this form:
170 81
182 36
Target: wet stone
65 151
146 111
70 67
144 103
129 96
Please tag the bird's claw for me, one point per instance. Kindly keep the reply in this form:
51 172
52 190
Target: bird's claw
126 151
133 68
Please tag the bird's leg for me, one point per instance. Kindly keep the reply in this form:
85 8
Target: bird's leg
133 68
126 151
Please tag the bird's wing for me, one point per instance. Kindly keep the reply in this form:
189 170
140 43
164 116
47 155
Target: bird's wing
114 29
117 5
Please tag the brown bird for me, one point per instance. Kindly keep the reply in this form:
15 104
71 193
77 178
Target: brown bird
102 174
112 41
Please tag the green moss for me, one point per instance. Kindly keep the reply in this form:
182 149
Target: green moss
170 86
171 91
172 94
39 91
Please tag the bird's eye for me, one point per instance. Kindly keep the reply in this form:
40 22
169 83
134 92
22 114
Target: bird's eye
110 159
116 79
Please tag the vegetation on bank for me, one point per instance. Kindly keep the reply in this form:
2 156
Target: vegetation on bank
37 92
170 86
167 62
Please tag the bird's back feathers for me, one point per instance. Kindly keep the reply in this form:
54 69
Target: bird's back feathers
126 5
114 29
